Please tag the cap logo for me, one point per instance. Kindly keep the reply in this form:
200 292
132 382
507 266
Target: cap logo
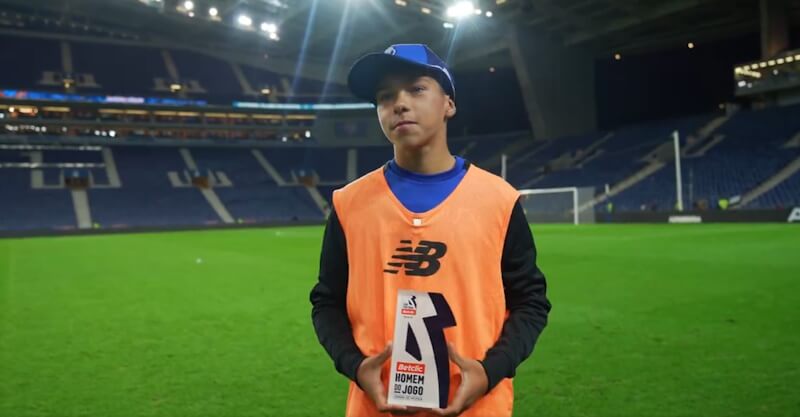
390 51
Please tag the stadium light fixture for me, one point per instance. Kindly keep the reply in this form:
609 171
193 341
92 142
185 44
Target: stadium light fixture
617 56
403 3
213 12
425 10
780 61
789 59
448 25
266 91
269 27
188 5
492 69
274 36
797 57
489 13
746 72
191 14
308 134
244 20
461 10
690 45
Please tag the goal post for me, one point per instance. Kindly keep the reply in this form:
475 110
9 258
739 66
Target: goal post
558 205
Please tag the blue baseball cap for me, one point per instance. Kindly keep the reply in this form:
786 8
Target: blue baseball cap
370 69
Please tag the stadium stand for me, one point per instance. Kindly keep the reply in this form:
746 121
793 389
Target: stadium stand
146 197
753 149
749 154
28 72
211 73
145 71
785 194
25 208
111 66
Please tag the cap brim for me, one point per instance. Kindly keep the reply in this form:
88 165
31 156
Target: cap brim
370 69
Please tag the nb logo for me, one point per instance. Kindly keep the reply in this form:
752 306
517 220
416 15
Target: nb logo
422 261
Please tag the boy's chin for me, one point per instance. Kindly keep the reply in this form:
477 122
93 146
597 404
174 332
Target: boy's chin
410 141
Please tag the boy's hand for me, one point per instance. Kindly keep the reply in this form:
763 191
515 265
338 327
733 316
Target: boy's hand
474 384
369 379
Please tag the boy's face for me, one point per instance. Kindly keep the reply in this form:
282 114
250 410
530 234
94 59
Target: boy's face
413 109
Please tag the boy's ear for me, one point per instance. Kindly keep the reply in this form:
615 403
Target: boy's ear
451 107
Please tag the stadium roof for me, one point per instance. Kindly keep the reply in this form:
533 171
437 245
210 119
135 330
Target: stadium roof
325 31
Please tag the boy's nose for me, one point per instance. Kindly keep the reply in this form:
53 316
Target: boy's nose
401 102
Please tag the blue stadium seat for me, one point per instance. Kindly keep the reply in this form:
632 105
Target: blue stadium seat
31 57
112 67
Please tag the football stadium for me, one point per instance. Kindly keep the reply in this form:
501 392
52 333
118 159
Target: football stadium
168 168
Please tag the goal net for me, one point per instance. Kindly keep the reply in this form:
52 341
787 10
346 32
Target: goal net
558 205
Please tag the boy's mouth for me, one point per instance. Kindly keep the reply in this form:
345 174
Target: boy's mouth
403 123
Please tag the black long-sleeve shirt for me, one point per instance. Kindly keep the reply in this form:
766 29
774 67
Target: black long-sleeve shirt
523 283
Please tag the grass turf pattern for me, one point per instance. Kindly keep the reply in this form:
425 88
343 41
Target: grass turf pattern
661 320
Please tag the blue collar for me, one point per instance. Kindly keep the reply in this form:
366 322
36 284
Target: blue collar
460 165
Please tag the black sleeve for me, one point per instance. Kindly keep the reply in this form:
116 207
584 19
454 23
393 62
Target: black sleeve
329 302
526 300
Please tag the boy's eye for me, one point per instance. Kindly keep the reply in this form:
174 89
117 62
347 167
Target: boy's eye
418 88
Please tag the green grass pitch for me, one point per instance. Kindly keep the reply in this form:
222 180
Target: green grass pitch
693 320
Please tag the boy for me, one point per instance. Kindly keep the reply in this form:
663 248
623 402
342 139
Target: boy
459 230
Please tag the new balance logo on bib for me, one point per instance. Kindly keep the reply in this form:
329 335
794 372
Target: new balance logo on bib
422 261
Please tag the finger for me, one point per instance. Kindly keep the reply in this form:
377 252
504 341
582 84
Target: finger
446 412
383 356
416 409
410 411
457 406
394 409
382 403
407 412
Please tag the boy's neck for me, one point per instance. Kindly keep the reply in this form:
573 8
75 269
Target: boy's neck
431 159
